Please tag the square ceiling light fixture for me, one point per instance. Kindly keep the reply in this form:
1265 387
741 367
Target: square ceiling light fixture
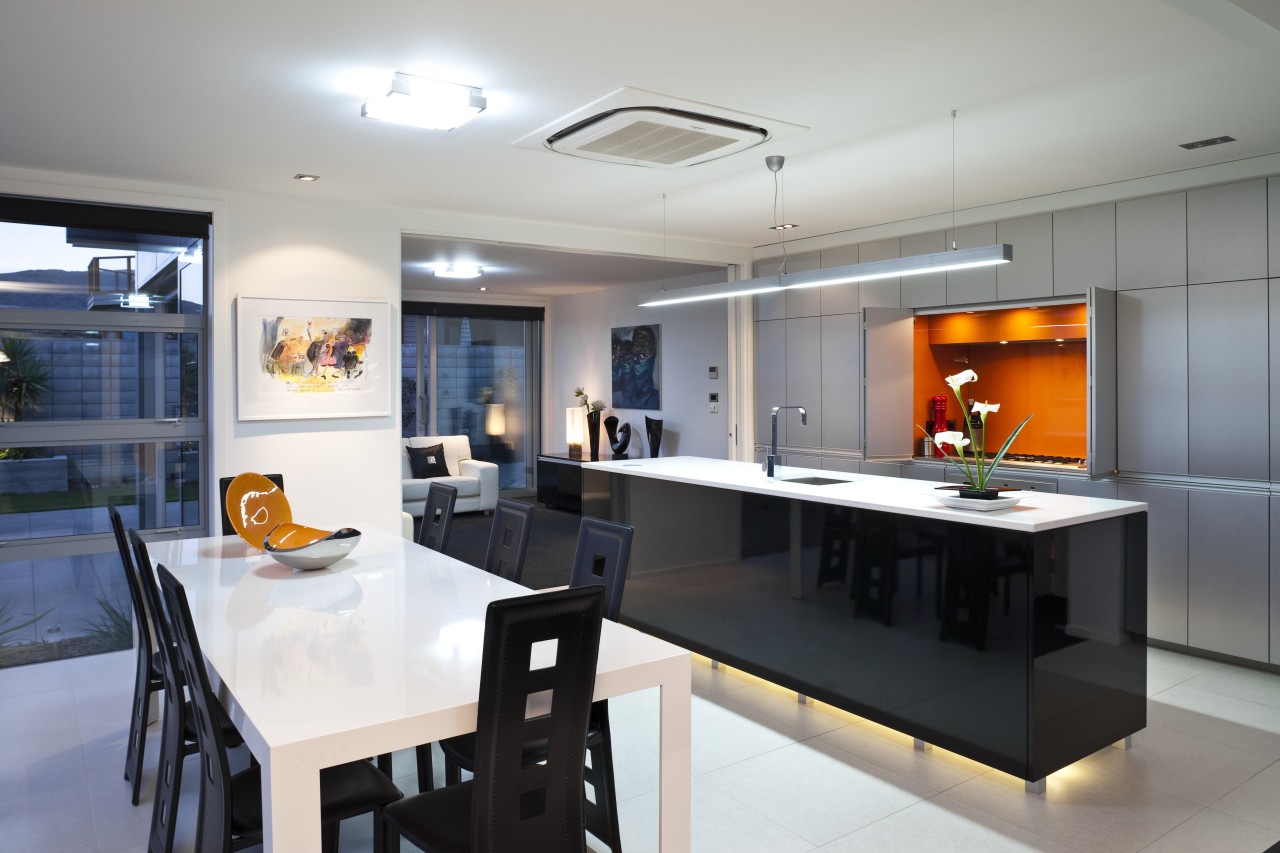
421 102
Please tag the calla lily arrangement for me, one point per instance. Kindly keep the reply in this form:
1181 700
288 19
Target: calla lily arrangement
979 474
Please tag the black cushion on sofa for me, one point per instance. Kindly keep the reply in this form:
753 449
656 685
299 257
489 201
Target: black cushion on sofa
428 462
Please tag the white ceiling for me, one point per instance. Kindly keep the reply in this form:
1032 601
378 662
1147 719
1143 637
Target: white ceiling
243 94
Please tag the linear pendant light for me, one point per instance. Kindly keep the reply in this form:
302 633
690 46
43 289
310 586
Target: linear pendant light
953 259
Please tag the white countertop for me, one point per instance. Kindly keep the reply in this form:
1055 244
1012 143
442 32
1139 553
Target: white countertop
1037 511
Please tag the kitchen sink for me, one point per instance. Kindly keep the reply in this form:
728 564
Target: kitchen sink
814 481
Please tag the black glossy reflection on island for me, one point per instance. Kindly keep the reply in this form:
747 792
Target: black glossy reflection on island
1024 651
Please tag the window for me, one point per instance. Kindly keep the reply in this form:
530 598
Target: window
101 386
475 371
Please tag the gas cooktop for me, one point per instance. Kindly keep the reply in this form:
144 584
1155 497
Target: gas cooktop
1049 461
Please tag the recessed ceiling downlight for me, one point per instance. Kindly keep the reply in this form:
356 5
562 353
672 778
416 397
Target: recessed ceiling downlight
1205 143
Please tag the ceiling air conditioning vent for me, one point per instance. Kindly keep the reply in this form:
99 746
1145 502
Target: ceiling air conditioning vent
656 137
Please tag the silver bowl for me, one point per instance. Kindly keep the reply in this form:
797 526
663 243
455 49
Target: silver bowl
317 555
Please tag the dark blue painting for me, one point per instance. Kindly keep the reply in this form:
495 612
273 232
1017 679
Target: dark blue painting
635 367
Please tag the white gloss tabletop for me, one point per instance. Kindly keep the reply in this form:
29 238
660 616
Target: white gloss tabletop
380 651
1036 512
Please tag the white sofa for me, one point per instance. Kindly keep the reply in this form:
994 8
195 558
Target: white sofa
476 481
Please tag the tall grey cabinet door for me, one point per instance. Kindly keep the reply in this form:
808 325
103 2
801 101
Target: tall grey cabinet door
1274 343
1151 380
771 375
840 298
1227 232
1101 399
1229 575
1275 580
841 381
1030 274
884 292
1166 558
1084 249
1151 242
1227 357
965 287
1273 226
804 381
887 383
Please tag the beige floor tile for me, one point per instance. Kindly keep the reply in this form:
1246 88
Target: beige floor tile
1211 831
1180 764
816 790
943 824
935 769
1083 808
1257 800
1238 723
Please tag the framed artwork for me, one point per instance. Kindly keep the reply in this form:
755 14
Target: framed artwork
312 358
636 359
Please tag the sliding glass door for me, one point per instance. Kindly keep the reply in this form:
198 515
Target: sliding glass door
476 371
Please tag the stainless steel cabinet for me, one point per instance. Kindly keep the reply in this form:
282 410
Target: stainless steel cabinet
1229 573
1088 488
1151 369
1030 274
1151 242
1166 558
1227 352
1227 232
841 375
1084 249
965 287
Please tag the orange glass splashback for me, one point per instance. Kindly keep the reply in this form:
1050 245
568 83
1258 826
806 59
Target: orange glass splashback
1041 370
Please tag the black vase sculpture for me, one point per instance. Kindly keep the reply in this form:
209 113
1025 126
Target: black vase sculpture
653 429
618 438
593 434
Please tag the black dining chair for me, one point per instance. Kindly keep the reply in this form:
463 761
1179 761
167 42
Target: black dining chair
437 518
511 804
230 813
509 539
178 737
148 679
227 528
602 557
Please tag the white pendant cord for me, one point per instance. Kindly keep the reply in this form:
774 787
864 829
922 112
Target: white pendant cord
953 180
779 192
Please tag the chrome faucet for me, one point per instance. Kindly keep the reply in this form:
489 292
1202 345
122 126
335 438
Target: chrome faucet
769 460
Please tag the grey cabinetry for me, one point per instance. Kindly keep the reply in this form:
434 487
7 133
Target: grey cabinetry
1151 242
1274 343
1228 574
1030 274
841 378
965 287
1227 358
1275 580
840 298
1227 232
1273 225
804 381
1151 374
771 375
1010 480
885 292
806 301
929 290
1084 249
1166 558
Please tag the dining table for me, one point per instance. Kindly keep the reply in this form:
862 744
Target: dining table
380 651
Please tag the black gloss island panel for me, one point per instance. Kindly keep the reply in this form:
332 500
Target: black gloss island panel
1025 651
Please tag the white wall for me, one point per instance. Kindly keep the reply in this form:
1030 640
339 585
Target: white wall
695 336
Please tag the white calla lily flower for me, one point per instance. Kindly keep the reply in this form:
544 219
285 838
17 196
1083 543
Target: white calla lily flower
983 408
955 439
961 378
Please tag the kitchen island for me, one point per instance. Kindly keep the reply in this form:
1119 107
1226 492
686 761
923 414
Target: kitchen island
1015 637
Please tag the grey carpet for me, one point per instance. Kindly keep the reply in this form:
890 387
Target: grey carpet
551 544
